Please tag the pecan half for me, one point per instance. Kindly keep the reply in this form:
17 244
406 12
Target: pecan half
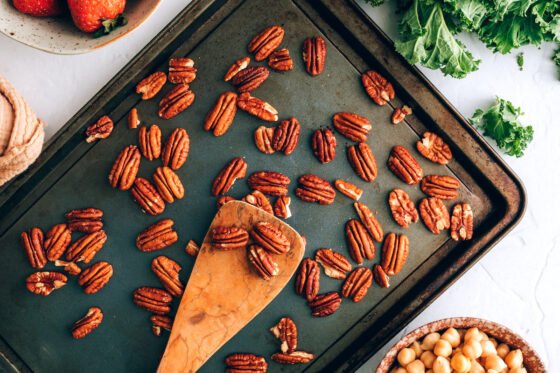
394 253
229 238
258 199
160 322
85 248
314 55
433 147
440 186
325 304
69 267
377 87
157 301
168 184
434 214
33 244
124 170
222 200
280 60
157 236
235 169
176 149
86 220
178 99
147 197
269 182
220 117
360 243
369 221
257 107
263 139
150 142
296 357
181 70
132 118
286 332
282 207
100 129
88 323
348 189
57 240
270 238
250 363
44 283
192 248
237 66
335 264
312 188
357 284
94 278
286 136
308 279
402 208
167 271
352 126
380 276
404 165
400 113
151 85
363 162
462 222
262 261
323 144
251 78
266 41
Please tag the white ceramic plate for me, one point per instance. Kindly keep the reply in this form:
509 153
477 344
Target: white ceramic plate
59 35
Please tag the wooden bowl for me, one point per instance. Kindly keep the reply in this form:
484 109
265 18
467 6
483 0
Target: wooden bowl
531 359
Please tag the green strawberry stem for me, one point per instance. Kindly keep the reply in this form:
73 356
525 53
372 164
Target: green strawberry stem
108 25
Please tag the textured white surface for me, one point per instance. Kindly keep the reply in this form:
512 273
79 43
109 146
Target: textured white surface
516 284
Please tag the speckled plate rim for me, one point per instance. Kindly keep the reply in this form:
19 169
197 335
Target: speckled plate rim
531 359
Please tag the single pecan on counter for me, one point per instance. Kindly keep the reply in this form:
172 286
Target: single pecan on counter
352 126
286 136
394 253
270 237
237 66
269 182
100 129
262 261
44 283
176 149
363 162
258 199
250 78
150 86
69 267
220 117
350 190
357 284
380 276
222 200
33 245
147 197
462 225
377 87
434 214
250 363
440 186
325 304
312 188
334 263
94 278
257 107
280 60
314 55
323 144
433 147
124 170
360 243
157 236
132 119
87 220
149 140
229 238
178 99
86 247
402 208
168 184
235 169
88 323
308 279
369 221
286 332
160 322
296 357
57 240
263 139
404 165
181 70
167 271
400 113
157 301
192 248
282 207
266 41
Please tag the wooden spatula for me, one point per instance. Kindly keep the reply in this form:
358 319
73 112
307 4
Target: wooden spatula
224 293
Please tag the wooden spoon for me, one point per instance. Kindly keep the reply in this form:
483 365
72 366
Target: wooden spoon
224 292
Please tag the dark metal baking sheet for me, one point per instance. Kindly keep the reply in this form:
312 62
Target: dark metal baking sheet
73 174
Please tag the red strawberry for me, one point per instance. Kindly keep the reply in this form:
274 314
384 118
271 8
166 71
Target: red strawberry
41 8
102 16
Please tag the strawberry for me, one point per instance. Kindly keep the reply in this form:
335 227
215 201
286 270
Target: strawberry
41 8
101 16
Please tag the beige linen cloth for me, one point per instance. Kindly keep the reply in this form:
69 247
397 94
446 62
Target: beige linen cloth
21 133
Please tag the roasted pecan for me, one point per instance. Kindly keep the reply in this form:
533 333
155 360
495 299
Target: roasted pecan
335 264
176 149
296 357
394 253
86 220
100 129
352 126
263 139
280 60
434 214
377 87
132 119
57 240
363 162
181 70
235 169
258 199
160 322
432 147
88 323
151 85
167 271
440 186
85 248
348 189
44 283
402 208
369 221
33 244
314 55
178 99
92 279
380 276
286 136
257 107
357 284
266 41
150 142
229 238
219 118
286 332
251 78
237 66
147 197
400 113
462 222
262 261
269 182
69 267
168 184
404 165
222 200
124 170
325 304
192 248
308 279
312 188
323 144
282 207
360 243
157 301
270 238
157 236
249 363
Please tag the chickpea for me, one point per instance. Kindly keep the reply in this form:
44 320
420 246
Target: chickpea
416 367
406 356
473 333
502 350
452 336
494 342
476 367
428 358
494 362
441 365
472 349
460 363
514 359
518 370
429 341
488 349
417 349
443 348
484 336
430 371
398 370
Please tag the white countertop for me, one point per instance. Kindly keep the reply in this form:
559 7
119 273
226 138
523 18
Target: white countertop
516 284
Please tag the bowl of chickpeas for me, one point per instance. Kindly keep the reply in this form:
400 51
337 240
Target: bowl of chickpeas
461 345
